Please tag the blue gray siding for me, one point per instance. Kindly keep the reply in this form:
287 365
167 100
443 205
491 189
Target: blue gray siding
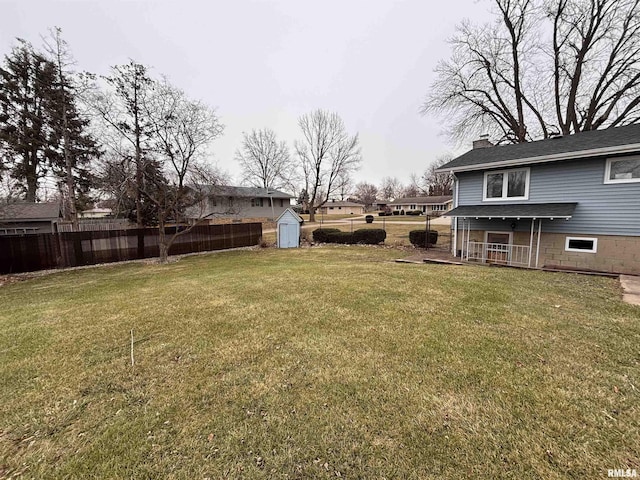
605 209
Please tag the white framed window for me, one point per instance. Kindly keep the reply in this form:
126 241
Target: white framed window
506 185
622 170
581 244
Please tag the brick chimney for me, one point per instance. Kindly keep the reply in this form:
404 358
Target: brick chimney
482 142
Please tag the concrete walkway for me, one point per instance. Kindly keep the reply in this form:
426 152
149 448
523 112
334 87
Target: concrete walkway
631 287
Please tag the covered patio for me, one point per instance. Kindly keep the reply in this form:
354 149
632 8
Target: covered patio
499 246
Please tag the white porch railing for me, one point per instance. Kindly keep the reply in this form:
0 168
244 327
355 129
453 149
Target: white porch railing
499 253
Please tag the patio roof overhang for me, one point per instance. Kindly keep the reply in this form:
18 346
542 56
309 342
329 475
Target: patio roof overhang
515 210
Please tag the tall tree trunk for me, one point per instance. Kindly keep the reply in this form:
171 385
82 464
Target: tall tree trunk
31 174
139 170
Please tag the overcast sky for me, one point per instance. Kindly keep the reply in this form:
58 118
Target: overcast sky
263 63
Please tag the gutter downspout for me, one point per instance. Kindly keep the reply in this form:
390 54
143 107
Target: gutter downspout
455 219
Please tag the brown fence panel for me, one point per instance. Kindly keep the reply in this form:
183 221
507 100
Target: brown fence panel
29 253
70 249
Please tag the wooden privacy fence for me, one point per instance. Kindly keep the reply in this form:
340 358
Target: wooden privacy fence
70 249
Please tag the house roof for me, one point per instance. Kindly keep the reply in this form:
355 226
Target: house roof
342 204
433 200
515 210
609 141
245 192
29 211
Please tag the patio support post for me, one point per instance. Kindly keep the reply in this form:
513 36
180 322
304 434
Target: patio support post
455 237
468 237
538 247
533 220
461 239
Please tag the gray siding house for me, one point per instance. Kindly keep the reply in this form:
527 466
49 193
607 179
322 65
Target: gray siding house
242 202
569 202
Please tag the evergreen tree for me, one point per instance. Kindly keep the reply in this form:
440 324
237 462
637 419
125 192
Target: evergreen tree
41 130
71 162
26 97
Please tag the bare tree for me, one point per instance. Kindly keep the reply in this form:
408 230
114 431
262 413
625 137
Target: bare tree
344 186
437 183
390 188
182 131
366 193
121 110
265 161
510 80
413 188
596 54
326 153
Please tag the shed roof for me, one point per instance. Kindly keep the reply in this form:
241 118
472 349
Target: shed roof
515 210
290 211
30 211
579 145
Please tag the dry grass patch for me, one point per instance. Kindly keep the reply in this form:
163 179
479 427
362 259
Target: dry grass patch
319 362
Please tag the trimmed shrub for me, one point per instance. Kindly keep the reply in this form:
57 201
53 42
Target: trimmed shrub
396 212
369 236
369 218
414 212
401 212
321 234
417 237
345 238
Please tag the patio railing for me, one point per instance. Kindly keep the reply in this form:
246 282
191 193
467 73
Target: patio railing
499 253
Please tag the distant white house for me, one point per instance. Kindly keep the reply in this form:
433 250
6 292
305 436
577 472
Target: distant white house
95 213
224 201
427 205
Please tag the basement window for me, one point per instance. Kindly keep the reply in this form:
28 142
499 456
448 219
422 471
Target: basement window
581 244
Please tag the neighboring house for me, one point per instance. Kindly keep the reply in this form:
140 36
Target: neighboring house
569 202
380 205
29 218
242 202
428 205
333 207
96 213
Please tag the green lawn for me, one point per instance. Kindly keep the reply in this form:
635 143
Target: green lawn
317 363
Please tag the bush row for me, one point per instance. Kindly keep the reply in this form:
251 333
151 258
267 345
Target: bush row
368 236
417 237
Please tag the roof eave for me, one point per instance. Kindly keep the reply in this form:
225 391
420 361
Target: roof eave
594 152
551 217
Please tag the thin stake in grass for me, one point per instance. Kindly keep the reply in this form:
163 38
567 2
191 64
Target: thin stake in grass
132 360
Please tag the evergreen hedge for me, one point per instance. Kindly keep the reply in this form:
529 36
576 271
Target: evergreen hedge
417 237
367 236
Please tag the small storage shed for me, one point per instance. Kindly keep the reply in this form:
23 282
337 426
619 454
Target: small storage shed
288 232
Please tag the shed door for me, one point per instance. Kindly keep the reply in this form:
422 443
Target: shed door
287 235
